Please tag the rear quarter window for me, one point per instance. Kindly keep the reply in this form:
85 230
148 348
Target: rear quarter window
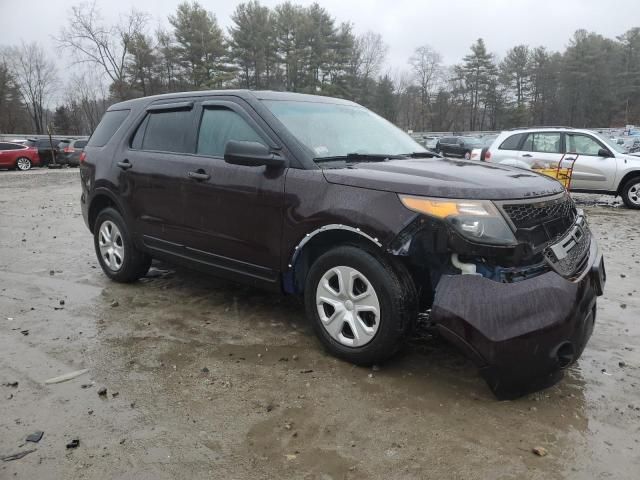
512 142
108 126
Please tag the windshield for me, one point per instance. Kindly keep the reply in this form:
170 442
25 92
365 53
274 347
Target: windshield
611 143
333 130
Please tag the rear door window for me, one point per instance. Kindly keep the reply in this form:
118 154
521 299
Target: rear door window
9 146
218 126
544 142
80 144
166 131
108 126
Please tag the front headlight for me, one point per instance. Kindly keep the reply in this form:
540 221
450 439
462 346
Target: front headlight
478 220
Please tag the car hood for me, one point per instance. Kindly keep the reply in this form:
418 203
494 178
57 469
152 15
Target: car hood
447 178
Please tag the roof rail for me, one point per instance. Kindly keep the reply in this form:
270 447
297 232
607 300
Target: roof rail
542 126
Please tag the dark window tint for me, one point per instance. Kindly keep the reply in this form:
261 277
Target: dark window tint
79 144
136 143
218 126
167 131
447 140
9 146
109 124
30 143
512 142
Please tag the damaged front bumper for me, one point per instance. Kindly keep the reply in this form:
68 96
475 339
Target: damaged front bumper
522 334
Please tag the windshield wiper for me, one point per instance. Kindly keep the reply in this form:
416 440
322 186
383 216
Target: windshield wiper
362 157
427 154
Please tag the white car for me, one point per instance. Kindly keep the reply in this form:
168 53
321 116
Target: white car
601 165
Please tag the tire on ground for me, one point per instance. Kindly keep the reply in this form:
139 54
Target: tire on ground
626 193
135 263
396 294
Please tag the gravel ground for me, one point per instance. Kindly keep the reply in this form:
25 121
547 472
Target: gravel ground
208 379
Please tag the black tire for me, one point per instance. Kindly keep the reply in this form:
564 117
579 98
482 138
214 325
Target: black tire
396 294
630 193
24 161
135 263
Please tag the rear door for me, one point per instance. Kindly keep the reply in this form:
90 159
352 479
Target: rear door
235 213
8 154
542 149
153 177
591 171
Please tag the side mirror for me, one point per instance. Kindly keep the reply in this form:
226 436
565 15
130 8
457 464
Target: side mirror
251 154
603 152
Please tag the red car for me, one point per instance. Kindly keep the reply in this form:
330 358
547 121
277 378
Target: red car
14 155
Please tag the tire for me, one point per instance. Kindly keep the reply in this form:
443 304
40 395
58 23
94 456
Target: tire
120 260
377 337
630 193
23 164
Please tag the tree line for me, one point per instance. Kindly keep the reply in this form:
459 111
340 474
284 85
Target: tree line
594 82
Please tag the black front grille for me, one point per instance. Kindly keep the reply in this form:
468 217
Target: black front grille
541 222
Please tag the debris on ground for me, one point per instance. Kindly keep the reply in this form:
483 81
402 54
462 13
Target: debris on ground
115 303
73 443
24 332
11 383
102 391
35 437
540 451
18 455
66 376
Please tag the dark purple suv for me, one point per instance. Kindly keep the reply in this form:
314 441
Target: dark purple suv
320 197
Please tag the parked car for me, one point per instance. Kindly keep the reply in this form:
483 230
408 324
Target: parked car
478 152
45 149
69 152
458 146
430 142
320 197
602 166
15 155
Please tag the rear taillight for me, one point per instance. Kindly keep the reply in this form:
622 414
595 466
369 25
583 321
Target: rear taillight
83 157
487 156
69 150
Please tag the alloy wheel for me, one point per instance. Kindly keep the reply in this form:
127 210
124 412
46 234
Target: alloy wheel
23 164
633 194
111 245
348 306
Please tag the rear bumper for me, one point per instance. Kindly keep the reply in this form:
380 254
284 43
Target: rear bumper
521 335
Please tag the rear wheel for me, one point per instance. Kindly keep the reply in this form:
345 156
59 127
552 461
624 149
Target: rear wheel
360 306
23 164
119 258
631 193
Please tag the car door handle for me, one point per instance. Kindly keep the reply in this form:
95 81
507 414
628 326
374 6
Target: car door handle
199 175
527 155
125 164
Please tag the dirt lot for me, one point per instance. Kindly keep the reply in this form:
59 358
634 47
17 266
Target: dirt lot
207 379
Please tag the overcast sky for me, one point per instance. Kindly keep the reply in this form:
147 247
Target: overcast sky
449 26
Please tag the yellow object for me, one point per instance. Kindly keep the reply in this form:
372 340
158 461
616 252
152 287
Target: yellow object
563 175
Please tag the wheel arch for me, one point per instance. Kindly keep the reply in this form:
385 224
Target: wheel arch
628 176
319 241
99 202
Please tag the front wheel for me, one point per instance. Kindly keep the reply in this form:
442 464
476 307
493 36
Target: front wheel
120 260
360 306
631 193
23 164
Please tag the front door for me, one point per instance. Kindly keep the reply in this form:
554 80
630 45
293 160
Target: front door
235 213
590 171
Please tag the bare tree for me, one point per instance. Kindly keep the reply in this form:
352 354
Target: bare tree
426 64
106 46
369 53
86 95
36 78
